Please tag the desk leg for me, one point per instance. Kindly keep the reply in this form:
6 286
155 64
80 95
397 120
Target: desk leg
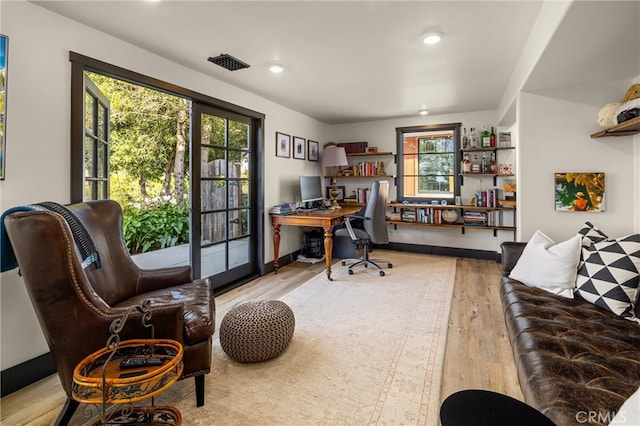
328 249
276 246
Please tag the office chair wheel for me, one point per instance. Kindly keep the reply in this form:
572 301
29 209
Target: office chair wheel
344 263
382 273
389 265
350 272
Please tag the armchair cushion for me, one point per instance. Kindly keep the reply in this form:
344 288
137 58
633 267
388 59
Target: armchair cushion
198 309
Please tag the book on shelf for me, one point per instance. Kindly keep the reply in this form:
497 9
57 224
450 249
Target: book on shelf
362 195
487 197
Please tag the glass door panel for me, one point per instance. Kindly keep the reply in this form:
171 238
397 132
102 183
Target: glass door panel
227 248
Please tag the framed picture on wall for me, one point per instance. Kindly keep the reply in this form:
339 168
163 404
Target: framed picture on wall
579 192
4 41
299 148
283 145
312 147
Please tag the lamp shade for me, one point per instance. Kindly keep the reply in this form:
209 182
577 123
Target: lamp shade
333 156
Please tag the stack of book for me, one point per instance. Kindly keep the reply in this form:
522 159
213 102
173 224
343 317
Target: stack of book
409 215
281 209
475 218
395 216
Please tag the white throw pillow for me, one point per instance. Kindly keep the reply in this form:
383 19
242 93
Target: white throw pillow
629 413
549 266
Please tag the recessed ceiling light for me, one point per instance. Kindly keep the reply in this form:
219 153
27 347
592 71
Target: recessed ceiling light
276 68
423 112
432 37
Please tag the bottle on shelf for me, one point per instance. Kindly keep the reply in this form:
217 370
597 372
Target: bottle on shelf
465 139
485 166
492 138
486 137
466 163
475 165
493 164
473 138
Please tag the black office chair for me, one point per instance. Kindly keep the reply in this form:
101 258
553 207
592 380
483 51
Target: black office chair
374 228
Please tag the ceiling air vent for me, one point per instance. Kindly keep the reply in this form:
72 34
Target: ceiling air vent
229 62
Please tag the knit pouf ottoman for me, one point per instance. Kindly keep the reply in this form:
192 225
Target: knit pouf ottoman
257 331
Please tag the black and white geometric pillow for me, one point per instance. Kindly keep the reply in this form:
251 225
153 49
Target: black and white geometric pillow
609 277
591 234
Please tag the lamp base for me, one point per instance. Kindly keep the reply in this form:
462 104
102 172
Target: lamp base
334 194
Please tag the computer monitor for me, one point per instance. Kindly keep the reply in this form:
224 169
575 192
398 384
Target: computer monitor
311 190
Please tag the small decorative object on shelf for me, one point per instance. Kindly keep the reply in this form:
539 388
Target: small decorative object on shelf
505 169
450 215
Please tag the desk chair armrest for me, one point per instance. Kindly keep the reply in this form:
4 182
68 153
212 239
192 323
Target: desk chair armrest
347 221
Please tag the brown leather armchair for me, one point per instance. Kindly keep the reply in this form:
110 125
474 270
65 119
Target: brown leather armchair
76 305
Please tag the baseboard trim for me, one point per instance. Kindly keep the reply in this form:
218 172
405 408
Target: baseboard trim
444 251
26 373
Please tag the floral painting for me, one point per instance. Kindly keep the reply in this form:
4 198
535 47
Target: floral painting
578 191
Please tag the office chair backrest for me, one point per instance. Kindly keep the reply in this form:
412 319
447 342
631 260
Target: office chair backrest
375 213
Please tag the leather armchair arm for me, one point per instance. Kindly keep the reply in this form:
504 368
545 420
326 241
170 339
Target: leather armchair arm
156 279
511 252
167 321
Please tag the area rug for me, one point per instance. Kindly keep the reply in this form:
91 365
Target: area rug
366 350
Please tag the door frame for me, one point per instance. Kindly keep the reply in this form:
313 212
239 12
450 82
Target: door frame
81 63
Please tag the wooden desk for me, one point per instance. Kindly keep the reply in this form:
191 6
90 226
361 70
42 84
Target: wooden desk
325 219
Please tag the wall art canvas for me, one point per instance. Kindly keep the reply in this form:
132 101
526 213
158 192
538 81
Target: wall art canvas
579 191
3 96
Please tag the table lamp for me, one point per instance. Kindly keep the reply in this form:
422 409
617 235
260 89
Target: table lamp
334 156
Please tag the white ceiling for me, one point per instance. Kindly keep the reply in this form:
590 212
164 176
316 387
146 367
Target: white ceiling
362 60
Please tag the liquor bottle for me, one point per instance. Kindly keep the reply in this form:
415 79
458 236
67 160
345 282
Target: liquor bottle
466 164
465 139
475 165
493 165
486 137
484 163
473 138
492 138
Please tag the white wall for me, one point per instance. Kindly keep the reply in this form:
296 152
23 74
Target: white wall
382 134
554 136
37 137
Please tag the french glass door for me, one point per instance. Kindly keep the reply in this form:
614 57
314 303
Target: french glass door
225 242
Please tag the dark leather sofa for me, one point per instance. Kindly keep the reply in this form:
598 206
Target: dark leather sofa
577 363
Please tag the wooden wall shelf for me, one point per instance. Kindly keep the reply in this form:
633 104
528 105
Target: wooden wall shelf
630 127
367 154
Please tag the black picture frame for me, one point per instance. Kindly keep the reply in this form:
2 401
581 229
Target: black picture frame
312 150
299 148
283 145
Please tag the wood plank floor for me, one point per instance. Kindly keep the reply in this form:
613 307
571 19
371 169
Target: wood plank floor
478 353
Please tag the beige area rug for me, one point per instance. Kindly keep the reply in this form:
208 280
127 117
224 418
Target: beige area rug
366 350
